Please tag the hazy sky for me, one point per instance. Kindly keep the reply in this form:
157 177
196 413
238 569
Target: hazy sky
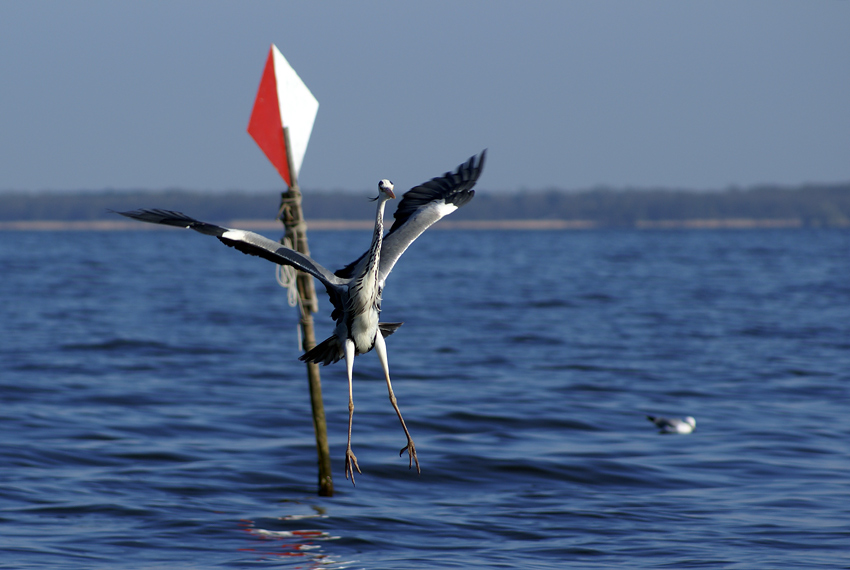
698 94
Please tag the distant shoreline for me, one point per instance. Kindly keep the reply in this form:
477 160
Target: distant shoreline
808 206
337 225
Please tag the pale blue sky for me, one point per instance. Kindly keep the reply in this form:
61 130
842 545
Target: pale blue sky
697 94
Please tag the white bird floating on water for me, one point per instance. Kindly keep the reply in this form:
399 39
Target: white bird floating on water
674 425
355 290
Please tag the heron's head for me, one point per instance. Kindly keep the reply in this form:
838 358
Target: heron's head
385 189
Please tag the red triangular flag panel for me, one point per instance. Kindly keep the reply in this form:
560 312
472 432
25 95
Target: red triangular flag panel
282 100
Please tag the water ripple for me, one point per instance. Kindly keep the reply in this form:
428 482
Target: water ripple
153 419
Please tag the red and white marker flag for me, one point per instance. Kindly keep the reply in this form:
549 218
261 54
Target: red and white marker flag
282 101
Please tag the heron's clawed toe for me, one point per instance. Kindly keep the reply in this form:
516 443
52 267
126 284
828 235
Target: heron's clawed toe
349 460
411 452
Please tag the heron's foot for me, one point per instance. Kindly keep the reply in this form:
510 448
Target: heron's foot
349 460
411 452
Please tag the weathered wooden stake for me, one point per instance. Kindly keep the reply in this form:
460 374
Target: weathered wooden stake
296 232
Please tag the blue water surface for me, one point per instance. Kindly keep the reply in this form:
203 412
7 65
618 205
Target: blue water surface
154 413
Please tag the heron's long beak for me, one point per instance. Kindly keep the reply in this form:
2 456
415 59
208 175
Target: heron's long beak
389 192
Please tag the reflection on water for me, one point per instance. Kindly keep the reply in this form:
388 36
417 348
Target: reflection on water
303 544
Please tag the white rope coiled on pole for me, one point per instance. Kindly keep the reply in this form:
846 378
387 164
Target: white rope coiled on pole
286 277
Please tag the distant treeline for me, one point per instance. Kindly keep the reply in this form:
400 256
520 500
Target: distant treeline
807 206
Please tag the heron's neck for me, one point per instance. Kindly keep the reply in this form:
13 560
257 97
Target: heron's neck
377 237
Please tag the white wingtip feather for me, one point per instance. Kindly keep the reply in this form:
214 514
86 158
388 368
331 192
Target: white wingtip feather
235 235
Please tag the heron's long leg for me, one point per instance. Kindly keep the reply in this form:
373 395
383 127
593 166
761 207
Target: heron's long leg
349 456
381 349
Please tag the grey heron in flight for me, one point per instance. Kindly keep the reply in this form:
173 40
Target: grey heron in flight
355 290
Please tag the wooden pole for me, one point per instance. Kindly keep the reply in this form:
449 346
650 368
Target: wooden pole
296 230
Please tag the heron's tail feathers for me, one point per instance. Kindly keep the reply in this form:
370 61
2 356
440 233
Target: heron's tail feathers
388 328
326 352
330 350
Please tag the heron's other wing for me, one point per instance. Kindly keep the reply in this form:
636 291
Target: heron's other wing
421 207
424 205
249 243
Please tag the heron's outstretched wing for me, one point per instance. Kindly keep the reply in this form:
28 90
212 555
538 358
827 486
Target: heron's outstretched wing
247 242
420 208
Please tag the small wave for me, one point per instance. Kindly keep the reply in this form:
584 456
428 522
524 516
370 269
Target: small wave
551 304
597 297
579 367
536 339
117 344
140 346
